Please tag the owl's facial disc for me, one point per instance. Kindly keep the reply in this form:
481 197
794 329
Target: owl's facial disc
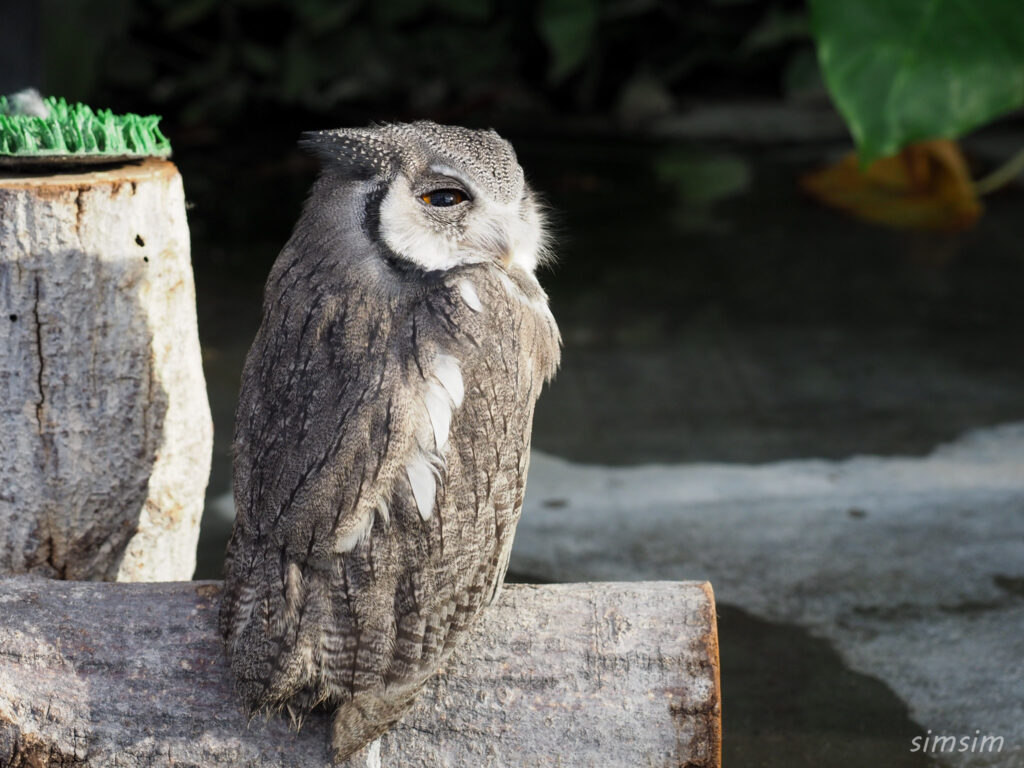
439 219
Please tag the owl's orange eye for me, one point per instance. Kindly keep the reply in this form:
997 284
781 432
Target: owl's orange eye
444 197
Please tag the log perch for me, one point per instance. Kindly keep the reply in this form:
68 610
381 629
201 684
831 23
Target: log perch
579 675
104 418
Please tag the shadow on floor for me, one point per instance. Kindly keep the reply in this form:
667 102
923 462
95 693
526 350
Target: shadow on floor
789 701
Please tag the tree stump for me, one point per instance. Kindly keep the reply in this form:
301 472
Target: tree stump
582 675
105 423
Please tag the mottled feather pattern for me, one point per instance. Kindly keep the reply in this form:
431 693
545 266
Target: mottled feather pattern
338 589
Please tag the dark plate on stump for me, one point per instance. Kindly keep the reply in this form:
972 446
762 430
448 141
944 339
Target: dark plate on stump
57 162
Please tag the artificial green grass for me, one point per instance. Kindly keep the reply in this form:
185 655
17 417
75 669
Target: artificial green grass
76 129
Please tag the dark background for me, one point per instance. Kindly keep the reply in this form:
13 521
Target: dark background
710 310
211 66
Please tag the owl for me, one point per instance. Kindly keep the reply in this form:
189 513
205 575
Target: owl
382 433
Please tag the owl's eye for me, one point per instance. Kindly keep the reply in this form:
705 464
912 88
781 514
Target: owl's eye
444 197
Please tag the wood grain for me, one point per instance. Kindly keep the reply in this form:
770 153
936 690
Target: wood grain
621 674
106 426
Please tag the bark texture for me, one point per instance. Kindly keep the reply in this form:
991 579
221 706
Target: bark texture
561 675
106 426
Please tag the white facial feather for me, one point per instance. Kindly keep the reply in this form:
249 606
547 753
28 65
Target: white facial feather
512 232
406 229
526 235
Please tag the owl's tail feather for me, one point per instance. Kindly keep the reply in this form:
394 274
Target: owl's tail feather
270 629
368 715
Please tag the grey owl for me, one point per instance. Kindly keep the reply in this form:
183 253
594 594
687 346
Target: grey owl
383 428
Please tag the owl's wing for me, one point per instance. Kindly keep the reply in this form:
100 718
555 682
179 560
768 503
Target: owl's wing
319 428
412 590
513 350
322 428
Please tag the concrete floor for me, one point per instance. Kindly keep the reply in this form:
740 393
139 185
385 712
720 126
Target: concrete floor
864 601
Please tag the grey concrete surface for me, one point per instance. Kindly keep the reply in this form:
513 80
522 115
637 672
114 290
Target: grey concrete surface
912 568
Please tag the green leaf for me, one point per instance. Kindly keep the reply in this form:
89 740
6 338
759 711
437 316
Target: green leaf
902 71
567 26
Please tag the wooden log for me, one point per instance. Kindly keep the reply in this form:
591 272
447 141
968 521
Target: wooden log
576 675
106 427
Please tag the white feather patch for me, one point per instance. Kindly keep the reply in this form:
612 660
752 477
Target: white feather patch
348 541
469 295
449 373
384 510
424 486
439 409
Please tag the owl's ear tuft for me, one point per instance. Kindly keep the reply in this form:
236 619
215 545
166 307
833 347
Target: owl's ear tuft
361 153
